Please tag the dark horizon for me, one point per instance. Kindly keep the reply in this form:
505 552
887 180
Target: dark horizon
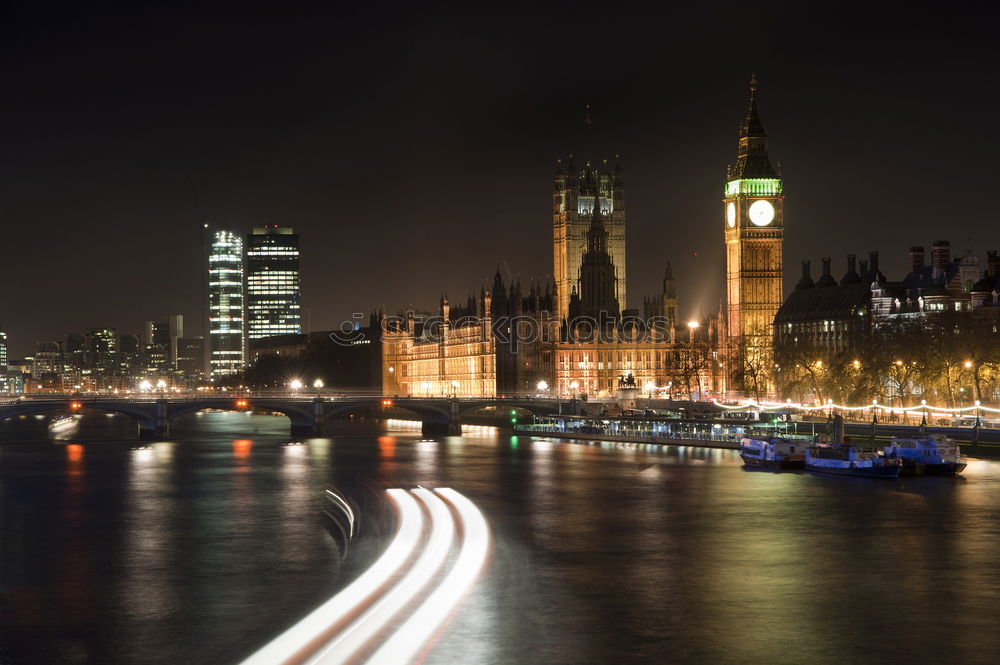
413 149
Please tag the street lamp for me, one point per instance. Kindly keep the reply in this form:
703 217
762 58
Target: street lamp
692 326
454 388
318 383
295 384
145 386
161 385
542 386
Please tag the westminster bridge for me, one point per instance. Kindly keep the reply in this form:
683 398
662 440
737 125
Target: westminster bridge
440 416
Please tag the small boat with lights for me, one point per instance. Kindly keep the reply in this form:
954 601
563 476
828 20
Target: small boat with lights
773 453
62 424
844 459
932 455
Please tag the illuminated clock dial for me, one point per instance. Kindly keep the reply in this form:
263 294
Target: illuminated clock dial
731 214
761 213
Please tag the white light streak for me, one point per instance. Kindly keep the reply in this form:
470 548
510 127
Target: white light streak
358 621
346 646
297 643
411 638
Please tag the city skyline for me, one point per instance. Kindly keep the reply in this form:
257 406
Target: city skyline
675 140
409 334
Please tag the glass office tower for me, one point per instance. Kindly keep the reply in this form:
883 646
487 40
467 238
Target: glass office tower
225 304
273 282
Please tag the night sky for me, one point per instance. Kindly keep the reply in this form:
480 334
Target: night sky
413 147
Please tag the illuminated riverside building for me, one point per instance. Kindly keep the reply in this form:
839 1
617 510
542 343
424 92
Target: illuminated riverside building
826 317
272 266
943 285
583 337
447 354
225 303
472 351
506 343
823 318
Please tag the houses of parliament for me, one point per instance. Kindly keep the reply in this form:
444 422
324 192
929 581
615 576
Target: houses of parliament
577 335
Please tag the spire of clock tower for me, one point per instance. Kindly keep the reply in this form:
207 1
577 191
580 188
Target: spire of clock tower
751 157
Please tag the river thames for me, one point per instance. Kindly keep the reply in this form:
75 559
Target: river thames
201 548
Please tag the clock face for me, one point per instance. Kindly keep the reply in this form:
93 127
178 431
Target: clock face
761 213
731 214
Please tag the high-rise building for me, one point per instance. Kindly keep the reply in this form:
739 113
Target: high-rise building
190 351
754 227
101 350
225 306
161 342
47 360
573 200
273 306
11 378
129 357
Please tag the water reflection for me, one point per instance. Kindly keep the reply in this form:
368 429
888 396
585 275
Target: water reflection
425 459
199 549
145 565
298 505
74 455
387 446
242 448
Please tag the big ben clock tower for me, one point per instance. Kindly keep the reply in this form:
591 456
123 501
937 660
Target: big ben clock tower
754 225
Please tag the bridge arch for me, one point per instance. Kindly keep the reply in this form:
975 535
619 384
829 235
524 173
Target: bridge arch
143 413
505 406
301 414
435 417
294 411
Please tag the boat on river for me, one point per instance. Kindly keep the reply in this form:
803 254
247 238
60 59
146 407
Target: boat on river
63 424
935 454
773 453
844 459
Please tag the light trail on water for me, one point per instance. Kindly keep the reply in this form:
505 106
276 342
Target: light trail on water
300 641
411 638
358 620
